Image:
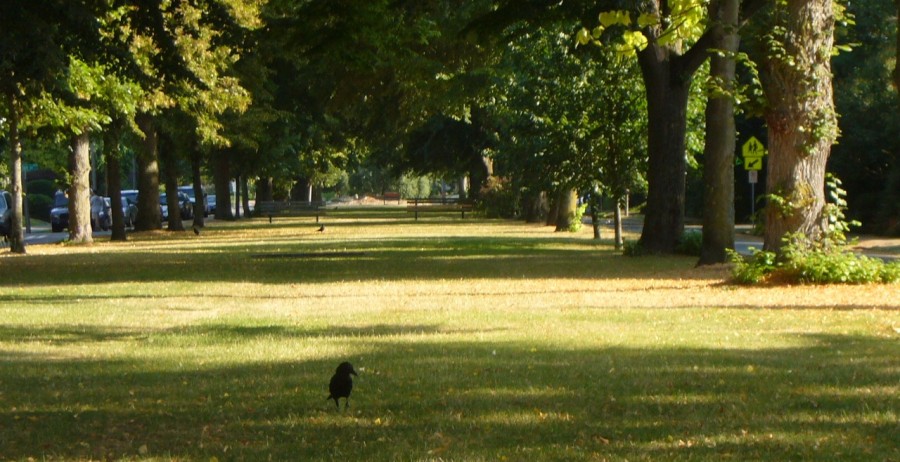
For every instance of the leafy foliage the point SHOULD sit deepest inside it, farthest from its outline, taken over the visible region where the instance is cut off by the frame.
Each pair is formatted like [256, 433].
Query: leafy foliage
[825, 260]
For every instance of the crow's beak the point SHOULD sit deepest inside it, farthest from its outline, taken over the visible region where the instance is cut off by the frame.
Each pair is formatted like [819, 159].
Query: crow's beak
[354, 373]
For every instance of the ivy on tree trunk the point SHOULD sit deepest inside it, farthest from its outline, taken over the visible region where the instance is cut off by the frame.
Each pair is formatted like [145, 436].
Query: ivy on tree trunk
[801, 118]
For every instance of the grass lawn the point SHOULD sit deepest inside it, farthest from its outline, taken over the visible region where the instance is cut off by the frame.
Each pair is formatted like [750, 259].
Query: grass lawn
[475, 340]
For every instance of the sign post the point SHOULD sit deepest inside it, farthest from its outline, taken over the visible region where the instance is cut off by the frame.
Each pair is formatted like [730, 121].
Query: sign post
[753, 152]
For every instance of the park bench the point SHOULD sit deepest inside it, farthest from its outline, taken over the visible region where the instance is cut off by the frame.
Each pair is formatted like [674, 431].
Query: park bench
[438, 205]
[291, 209]
[391, 197]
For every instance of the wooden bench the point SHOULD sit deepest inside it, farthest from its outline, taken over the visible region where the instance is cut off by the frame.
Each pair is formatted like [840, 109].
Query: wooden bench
[391, 196]
[291, 209]
[418, 206]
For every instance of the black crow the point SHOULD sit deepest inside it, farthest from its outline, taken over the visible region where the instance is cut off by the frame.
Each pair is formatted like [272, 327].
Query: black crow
[341, 384]
[322, 229]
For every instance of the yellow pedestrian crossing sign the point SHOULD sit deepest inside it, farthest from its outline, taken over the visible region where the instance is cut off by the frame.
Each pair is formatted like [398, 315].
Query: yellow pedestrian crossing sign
[752, 163]
[753, 151]
[753, 148]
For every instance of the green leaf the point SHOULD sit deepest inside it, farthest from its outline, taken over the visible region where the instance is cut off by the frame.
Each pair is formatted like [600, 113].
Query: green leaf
[647, 19]
[617, 17]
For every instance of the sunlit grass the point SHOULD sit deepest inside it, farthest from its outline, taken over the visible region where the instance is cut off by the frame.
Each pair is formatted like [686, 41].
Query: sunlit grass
[475, 340]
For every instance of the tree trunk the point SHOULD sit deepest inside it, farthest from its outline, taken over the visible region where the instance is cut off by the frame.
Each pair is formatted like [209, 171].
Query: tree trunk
[667, 89]
[718, 154]
[222, 180]
[114, 180]
[237, 197]
[16, 236]
[567, 203]
[265, 189]
[619, 241]
[802, 124]
[594, 204]
[197, 183]
[534, 207]
[170, 174]
[80, 190]
[552, 208]
[148, 216]
[245, 201]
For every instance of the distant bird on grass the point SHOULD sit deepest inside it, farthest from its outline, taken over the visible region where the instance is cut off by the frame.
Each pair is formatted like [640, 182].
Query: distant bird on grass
[196, 230]
[322, 229]
[341, 384]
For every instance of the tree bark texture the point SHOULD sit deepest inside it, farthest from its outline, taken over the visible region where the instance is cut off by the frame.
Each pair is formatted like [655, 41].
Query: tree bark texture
[16, 235]
[567, 202]
[170, 176]
[667, 88]
[245, 197]
[114, 180]
[222, 179]
[148, 216]
[80, 190]
[197, 184]
[801, 119]
[617, 223]
[718, 153]
[534, 207]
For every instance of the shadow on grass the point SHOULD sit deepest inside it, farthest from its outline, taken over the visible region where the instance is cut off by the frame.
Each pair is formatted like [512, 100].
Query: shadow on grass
[421, 397]
[359, 259]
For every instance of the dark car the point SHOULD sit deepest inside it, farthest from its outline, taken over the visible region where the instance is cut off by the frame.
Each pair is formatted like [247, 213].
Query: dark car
[5, 214]
[189, 190]
[59, 214]
[129, 210]
[101, 216]
[101, 213]
[185, 207]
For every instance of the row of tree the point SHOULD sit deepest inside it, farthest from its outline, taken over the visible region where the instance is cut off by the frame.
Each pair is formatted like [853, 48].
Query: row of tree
[284, 90]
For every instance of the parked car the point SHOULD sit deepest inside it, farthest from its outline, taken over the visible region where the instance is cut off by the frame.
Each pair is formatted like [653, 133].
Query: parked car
[189, 190]
[59, 214]
[211, 203]
[101, 213]
[129, 210]
[185, 207]
[163, 207]
[5, 214]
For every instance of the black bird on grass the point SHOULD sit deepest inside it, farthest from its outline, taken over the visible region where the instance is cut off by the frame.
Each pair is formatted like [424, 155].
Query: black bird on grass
[196, 230]
[341, 384]
[322, 229]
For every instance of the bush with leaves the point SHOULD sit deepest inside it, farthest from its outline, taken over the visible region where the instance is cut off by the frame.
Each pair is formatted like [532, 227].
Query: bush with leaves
[827, 259]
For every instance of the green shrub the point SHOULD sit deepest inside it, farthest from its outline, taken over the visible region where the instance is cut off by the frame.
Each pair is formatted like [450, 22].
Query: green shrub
[753, 269]
[826, 259]
[39, 206]
[576, 223]
[691, 243]
[633, 249]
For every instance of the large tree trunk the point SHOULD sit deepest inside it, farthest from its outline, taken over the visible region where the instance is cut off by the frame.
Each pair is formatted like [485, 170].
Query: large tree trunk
[222, 179]
[16, 236]
[170, 175]
[114, 180]
[667, 88]
[802, 124]
[567, 202]
[718, 154]
[534, 207]
[148, 216]
[80, 190]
